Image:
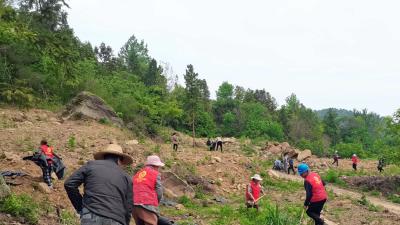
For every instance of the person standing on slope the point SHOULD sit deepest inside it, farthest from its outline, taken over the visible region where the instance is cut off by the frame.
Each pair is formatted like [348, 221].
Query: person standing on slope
[107, 197]
[355, 161]
[381, 164]
[175, 141]
[253, 192]
[46, 152]
[316, 195]
[336, 159]
[291, 166]
[219, 143]
[147, 192]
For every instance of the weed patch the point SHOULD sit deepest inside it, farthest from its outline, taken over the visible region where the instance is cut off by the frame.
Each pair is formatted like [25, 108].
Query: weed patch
[21, 206]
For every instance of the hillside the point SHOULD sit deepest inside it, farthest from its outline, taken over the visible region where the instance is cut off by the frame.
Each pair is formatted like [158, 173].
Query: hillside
[226, 173]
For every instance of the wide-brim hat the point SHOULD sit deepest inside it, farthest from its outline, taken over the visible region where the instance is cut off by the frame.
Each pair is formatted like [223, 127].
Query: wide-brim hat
[154, 160]
[257, 177]
[115, 150]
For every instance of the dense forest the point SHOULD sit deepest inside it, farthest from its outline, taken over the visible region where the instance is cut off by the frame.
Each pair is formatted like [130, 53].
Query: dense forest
[43, 64]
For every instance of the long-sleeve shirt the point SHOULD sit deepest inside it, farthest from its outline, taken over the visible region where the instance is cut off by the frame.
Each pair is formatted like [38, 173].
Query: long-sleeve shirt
[107, 190]
[308, 188]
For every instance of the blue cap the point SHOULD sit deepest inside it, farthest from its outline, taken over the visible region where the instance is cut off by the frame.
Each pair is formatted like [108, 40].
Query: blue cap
[302, 168]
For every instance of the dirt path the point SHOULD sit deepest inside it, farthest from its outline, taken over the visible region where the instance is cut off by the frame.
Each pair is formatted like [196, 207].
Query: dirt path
[391, 207]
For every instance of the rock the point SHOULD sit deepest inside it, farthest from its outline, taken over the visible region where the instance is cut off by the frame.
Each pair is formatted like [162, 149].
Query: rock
[285, 145]
[175, 187]
[132, 142]
[217, 159]
[54, 176]
[275, 149]
[4, 188]
[87, 105]
[220, 199]
[44, 188]
[10, 156]
[19, 117]
[304, 155]
[179, 207]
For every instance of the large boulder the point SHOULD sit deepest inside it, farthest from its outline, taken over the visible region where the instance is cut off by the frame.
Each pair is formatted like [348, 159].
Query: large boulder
[175, 187]
[88, 105]
[4, 188]
[304, 155]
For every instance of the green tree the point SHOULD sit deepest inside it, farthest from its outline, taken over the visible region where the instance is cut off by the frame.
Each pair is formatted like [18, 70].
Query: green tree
[193, 97]
[331, 126]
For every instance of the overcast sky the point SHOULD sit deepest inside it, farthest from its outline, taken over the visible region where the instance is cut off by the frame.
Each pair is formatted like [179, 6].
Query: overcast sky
[342, 53]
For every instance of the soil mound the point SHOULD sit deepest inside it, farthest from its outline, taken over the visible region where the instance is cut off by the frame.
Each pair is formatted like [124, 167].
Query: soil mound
[88, 105]
[385, 185]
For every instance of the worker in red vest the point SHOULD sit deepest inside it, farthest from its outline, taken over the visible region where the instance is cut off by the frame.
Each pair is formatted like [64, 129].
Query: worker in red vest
[147, 192]
[355, 161]
[46, 153]
[253, 192]
[315, 193]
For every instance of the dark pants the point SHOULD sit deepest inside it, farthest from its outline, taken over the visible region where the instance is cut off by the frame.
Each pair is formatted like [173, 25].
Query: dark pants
[219, 144]
[252, 206]
[354, 166]
[47, 175]
[380, 169]
[89, 218]
[314, 211]
[175, 147]
[335, 161]
[291, 168]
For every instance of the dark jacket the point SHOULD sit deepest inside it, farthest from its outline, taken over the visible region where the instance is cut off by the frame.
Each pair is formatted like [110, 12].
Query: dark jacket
[40, 159]
[107, 190]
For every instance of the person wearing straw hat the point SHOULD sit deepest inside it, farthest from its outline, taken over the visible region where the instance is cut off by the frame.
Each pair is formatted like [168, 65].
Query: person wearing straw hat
[253, 192]
[147, 192]
[316, 195]
[107, 197]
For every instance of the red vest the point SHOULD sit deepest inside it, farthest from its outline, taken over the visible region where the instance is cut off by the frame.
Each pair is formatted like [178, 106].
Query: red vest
[47, 151]
[144, 187]
[318, 189]
[354, 159]
[256, 189]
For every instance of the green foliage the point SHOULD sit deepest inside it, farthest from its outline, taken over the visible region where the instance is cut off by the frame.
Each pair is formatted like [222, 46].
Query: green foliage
[43, 64]
[68, 218]
[21, 206]
[333, 176]
[348, 149]
[71, 142]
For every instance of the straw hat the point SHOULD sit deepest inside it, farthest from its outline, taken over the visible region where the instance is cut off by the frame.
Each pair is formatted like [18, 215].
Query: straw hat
[115, 150]
[257, 177]
[154, 160]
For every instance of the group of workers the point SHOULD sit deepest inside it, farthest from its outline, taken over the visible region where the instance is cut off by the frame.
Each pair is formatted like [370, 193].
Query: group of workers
[355, 161]
[316, 195]
[212, 144]
[111, 197]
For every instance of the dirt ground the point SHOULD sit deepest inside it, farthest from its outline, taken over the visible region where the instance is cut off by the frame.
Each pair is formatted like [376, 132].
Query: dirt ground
[76, 141]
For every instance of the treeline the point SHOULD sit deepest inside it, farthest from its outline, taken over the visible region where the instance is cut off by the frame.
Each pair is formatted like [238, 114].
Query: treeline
[43, 64]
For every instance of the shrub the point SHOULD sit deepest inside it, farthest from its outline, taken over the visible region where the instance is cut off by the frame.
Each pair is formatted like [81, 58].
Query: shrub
[71, 142]
[68, 218]
[21, 206]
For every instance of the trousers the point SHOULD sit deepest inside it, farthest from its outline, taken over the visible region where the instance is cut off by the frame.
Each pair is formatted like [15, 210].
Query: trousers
[89, 218]
[314, 211]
